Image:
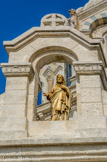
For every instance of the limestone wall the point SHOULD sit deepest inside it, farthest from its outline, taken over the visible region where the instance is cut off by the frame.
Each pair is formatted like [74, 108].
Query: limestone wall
[1, 103]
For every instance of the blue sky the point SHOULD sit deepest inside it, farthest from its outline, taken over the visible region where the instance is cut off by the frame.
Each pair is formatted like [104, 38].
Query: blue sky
[18, 16]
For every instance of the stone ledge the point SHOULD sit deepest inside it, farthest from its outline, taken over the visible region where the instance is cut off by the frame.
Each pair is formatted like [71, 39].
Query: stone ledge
[12, 124]
[73, 150]
[69, 129]
[32, 141]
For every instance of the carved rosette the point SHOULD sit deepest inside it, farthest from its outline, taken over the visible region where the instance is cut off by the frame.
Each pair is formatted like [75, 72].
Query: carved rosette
[17, 70]
[91, 68]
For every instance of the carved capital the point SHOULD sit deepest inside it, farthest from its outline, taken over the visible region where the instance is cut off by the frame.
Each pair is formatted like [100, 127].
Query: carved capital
[91, 68]
[17, 70]
[88, 68]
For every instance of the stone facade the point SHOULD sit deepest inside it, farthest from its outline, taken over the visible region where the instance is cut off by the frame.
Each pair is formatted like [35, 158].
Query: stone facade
[27, 134]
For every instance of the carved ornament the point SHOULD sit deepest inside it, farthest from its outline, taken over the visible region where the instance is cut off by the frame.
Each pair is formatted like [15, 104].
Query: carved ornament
[11, 70]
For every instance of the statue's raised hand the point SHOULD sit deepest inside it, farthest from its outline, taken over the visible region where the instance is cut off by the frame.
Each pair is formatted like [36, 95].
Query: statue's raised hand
[45, 94]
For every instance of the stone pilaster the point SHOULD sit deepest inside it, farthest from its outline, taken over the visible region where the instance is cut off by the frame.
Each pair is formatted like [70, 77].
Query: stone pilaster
[50, 79]
[91, 79]
[16, 98]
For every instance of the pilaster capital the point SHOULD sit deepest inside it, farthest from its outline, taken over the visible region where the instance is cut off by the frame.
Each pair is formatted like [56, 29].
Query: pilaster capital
[88, 67]
[91, 68]
[17, 70]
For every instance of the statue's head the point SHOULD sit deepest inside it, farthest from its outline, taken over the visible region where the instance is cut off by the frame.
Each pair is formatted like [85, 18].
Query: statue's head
[72, 12]
[60, 79]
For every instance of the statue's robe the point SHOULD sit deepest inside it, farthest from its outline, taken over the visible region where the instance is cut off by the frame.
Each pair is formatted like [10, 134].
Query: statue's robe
[60, 103]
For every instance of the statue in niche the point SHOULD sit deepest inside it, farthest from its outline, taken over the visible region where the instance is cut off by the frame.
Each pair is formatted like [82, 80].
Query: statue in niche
[60, 98]
[73, 20]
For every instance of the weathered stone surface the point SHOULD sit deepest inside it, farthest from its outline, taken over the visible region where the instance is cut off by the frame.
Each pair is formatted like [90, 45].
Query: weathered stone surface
[16, 83]
[104, 93]
[12, 134]
[32, 87]
[2, 99]
[15, 97]
[30, 114]
[31, 102]
[105, 110]
[90, 81]
[12, 124]
[1, 104]
[81, 53]
[92, 122]
[89, 109]
[92, 95]
[52, 128]
[14, 111]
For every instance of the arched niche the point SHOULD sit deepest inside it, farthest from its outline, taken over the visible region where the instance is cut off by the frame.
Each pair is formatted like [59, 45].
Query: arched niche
[98, 22]
[94, 21]
[39, 59]
[52, 54]
[99, 30]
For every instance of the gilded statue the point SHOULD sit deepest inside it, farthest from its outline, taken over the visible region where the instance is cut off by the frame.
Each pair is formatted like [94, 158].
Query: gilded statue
[60, 98]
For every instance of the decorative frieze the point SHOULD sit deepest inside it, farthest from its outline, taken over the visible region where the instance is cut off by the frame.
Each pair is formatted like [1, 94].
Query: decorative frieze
[88, 68]
[11, 70]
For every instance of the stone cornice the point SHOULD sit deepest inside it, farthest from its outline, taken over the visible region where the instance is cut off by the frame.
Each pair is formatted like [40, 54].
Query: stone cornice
[91, 68]
[92, 10]
[17, 70]
[54, 32]
[43, 32]
[49, 141]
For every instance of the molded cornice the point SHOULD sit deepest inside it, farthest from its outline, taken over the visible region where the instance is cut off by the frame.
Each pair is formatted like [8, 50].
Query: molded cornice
[52, 32]
[92, 10]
